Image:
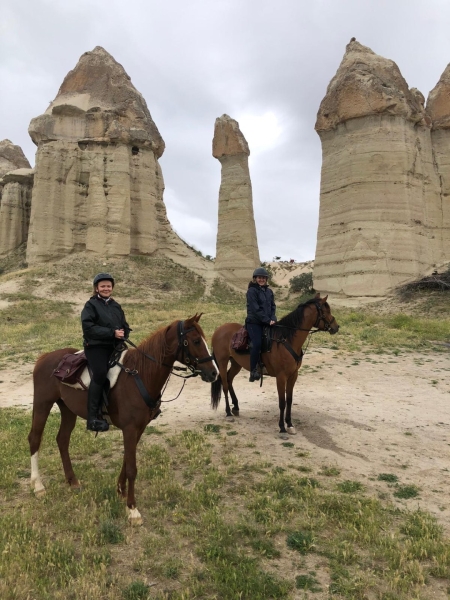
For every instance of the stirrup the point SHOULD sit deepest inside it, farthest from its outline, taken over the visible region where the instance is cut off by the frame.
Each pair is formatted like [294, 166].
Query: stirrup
[97, 425]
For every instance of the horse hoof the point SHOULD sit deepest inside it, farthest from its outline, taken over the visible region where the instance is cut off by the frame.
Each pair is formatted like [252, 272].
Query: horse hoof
[283, 436]
[291, 430]
[230, 418]
[134, 517]
[235, 412]
[39, 492]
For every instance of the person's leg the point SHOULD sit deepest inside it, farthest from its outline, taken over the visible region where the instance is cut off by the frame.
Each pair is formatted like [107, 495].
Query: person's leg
[97, 358]
[255, 334]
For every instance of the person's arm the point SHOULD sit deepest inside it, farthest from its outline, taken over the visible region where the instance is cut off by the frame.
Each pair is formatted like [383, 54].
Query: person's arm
[273, 318]
[254, 307]
[91, 330]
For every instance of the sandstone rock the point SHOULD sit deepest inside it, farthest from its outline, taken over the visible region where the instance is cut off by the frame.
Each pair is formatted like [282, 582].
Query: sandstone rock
[98, 184]
[15, 209]
[237, 252]
[438, 109]
[380, 195]
[11, 157]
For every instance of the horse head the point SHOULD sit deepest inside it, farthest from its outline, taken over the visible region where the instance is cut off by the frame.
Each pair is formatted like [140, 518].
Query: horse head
[325, 320]
[194, 351]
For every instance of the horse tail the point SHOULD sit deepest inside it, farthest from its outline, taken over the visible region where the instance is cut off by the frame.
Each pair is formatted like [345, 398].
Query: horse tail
[216, 391]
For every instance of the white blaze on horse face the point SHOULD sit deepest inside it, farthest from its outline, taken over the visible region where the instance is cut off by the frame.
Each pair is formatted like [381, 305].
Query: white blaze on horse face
[209, 353]
[36, 482]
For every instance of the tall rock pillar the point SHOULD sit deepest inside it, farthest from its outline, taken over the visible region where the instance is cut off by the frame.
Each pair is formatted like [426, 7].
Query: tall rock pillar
[237, 252]
[98, 185]
[379, 196]
[16, 181]
[438, 109]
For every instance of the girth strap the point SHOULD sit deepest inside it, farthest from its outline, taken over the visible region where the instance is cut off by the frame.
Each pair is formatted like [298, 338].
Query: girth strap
[149, 401]
[292, 352]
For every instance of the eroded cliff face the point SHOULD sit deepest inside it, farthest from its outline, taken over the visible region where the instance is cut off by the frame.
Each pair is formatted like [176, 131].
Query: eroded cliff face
[237, 252]
[380, 215]
[15, 208]
[438, 110]
[98, 184]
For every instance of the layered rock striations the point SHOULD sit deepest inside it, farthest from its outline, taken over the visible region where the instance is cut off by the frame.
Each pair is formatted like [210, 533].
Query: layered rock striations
[16, 181]
[237, 252]
[438, 111]
[380, 208]
[98, 184]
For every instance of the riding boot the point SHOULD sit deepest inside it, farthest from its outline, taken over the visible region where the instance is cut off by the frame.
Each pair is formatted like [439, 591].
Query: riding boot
[95, 421]
[254, 375]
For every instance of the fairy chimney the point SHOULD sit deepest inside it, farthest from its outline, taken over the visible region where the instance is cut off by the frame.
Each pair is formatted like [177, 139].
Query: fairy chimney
[16, 180]
[237, 252]
[98, 183]
[380, 193]
[438, 110]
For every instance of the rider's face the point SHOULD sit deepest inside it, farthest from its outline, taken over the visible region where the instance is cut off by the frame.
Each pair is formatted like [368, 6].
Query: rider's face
[104, 288]
[260, 280]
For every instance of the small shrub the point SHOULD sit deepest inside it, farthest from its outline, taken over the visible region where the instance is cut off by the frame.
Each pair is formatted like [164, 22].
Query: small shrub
[406, 491]
[302, 283]
[307, 582]
[137, 590]
[389, 477]
[350, 487]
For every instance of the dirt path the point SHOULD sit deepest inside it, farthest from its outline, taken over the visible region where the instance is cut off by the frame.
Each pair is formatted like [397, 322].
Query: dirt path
[362, 414]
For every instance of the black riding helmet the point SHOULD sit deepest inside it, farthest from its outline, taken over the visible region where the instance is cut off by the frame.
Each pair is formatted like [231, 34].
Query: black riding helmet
[103, 277]
[260, 272]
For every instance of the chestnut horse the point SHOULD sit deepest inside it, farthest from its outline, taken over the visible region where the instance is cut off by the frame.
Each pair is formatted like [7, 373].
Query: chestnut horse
[153, 359]
[283, 361]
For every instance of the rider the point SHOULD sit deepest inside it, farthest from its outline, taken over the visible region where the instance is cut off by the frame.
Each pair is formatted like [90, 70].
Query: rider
[104, 327]
[260, 312]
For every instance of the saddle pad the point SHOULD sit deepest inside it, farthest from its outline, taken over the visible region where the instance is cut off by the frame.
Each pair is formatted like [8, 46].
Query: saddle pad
[113, 375]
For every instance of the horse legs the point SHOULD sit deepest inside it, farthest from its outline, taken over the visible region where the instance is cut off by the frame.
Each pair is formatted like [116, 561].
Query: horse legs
[289, 393]
[39, 419]
[232, 372]
[281, 387]
[131, 437]
[68, 420]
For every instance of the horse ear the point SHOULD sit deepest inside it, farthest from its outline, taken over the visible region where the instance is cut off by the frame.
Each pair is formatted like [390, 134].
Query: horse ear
[323, 300]
[317, 296]
[197, 317]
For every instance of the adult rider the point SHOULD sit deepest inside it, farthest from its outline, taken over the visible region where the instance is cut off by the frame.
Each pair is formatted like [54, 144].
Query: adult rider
[260, 312]
[104, 327]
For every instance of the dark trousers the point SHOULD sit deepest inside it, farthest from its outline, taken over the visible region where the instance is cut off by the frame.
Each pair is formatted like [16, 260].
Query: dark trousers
[98, 357]
[255, 332]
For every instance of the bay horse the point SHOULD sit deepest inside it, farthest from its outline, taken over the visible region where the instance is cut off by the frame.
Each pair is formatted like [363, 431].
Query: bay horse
[153, 359]
[283, 361]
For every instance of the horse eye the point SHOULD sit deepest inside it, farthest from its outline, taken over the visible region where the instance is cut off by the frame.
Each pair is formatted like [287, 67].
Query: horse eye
[196, 342]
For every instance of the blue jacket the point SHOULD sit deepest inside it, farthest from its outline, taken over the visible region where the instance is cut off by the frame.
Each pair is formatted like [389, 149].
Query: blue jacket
[260, 304]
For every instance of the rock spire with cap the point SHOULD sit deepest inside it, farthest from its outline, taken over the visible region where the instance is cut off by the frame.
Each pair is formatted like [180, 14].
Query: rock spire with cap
[237, 248]
[380, 193]
[98, 184]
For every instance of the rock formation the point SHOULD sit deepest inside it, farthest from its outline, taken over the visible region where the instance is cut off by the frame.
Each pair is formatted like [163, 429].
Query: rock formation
[98, 184]
[16, 180]
[237, 252]
[438, 110]
[380, 220]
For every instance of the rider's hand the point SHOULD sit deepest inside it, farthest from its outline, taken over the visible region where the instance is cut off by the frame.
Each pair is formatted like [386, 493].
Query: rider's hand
[272, 322]
[119, 334]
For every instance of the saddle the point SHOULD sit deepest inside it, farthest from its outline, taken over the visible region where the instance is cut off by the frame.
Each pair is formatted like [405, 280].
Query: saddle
[241, 343]
[70, 369]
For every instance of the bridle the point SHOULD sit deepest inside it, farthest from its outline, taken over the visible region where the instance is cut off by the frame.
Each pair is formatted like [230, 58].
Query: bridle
[183, 344]
[320, 318]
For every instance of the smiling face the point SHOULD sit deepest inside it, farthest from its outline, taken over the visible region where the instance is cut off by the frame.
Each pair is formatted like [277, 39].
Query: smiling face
[261, 280]
[104, 288]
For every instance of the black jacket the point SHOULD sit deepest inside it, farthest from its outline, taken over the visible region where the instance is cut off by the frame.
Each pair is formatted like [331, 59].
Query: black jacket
[100, 319]
[260, 304]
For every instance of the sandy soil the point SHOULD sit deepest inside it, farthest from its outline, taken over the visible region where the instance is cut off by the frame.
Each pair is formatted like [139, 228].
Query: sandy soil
[363, 414]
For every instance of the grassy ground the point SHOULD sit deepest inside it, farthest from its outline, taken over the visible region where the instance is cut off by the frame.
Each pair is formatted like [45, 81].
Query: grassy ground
[215, 527]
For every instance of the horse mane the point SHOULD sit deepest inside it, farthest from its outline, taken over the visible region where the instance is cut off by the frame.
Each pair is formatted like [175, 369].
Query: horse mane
[287, 325]
[155, 345]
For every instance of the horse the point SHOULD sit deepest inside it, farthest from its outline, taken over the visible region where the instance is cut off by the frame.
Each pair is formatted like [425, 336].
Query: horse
[282, 362]
[153, 359]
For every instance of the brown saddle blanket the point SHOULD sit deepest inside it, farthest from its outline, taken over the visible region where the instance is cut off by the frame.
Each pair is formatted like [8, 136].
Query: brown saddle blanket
[70, 368]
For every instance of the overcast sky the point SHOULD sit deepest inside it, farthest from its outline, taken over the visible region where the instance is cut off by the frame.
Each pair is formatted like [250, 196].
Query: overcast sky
[266, 63]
